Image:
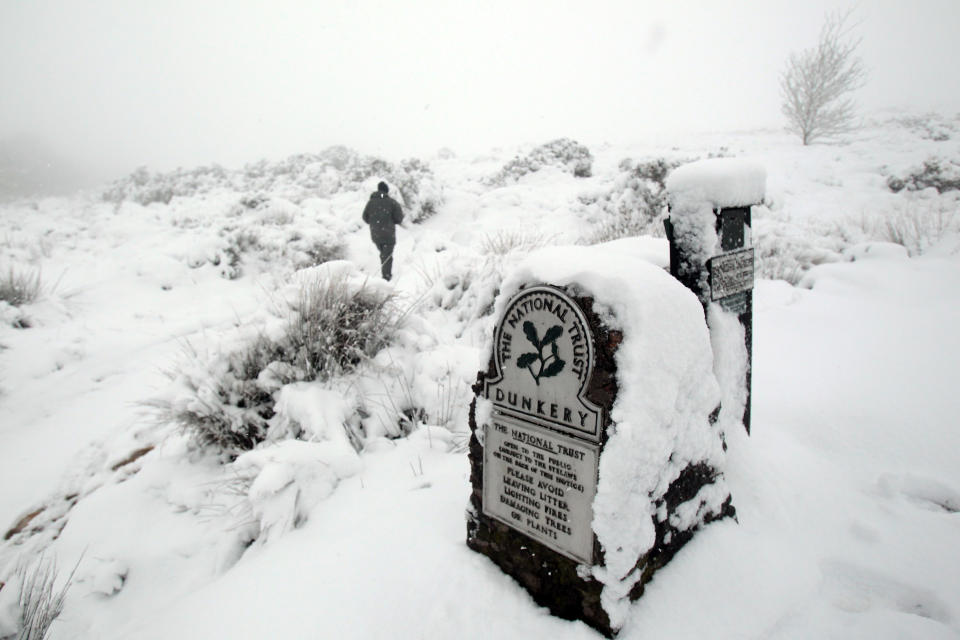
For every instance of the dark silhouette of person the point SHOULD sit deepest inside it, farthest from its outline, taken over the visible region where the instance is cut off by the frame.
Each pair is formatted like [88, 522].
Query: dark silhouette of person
[383, 214]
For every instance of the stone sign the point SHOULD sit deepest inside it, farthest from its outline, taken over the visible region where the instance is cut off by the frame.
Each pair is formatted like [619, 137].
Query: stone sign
[540, 428]
[541, 445]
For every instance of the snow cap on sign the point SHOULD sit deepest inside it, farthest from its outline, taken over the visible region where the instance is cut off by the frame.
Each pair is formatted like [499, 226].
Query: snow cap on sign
[721, 182]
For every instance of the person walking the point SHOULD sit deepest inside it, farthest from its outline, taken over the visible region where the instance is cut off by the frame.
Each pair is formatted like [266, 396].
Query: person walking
[383, 214]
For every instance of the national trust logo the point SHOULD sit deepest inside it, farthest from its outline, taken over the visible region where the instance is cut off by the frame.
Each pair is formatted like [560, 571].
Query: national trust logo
[543, 362]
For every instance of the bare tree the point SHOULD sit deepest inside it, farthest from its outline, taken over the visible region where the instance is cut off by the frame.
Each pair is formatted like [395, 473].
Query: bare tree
[817, 83]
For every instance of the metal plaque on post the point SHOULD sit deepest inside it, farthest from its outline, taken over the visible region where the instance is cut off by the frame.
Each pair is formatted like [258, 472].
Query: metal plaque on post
[731, 273]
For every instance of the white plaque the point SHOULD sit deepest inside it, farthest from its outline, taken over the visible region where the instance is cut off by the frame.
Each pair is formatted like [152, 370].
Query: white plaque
[543, 353]
[542, 484]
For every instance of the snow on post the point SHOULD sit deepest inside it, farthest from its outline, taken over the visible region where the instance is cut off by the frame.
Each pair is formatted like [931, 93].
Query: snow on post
[711, 254]
[595, 451]
[697, 192]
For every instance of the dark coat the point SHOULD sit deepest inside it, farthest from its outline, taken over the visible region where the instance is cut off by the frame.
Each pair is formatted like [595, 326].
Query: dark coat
[382, 213]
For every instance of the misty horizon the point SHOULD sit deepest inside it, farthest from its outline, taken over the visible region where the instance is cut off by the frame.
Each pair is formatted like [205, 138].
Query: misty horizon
[107, 87]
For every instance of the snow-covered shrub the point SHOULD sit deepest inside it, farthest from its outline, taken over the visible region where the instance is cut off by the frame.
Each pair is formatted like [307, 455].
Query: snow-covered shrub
[338, 169]
[468, 283]
[941, 174]
[563, 153]
[336, 323]
[916, 224]
[920, 226]
[786, 250]
[421, 193]
[419, 382]
[929, 126]
[635, 205]
[273, 488]
[145, 188]
[32, 600]
[463, 285]
[295, 178]
[282, 483]
[19, 287]
[267, 232]
[442, 385]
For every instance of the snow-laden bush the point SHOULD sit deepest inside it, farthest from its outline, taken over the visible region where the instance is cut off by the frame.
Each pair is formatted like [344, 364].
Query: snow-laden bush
[419, 383]
[915, 223]
[786, 250]
[921, 225]
[635, 205]
[938, 173]
[270, 232]
[274, 488]
[929, 126]
[337, 320]
[282, 483]
[257, 232]
[422, 195]
[145, 188]
[565, 154]
[464, 284]
[295, 178]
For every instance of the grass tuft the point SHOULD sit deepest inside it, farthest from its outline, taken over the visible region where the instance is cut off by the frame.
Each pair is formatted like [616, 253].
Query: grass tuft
[18, 287]
[507, 241]
[41, 602]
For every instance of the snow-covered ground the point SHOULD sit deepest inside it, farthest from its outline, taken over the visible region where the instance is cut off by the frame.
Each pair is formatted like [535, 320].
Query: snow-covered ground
[847, 492]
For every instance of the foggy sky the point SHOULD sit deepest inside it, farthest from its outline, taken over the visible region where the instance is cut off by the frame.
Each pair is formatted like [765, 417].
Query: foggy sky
[123, 83]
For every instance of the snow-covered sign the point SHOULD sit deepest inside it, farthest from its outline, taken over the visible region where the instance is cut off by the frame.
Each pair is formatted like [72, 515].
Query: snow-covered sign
[711, 253]
[596, 450]
[541, 454]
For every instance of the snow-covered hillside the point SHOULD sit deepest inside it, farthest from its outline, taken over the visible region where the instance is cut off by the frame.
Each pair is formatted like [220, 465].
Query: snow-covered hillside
[347, 520]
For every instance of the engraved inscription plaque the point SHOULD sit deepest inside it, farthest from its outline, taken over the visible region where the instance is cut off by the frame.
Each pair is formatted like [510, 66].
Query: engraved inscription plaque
[731, 273]
[542, 484]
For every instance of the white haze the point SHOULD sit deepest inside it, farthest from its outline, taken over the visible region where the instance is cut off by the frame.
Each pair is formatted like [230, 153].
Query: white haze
[112, 84]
